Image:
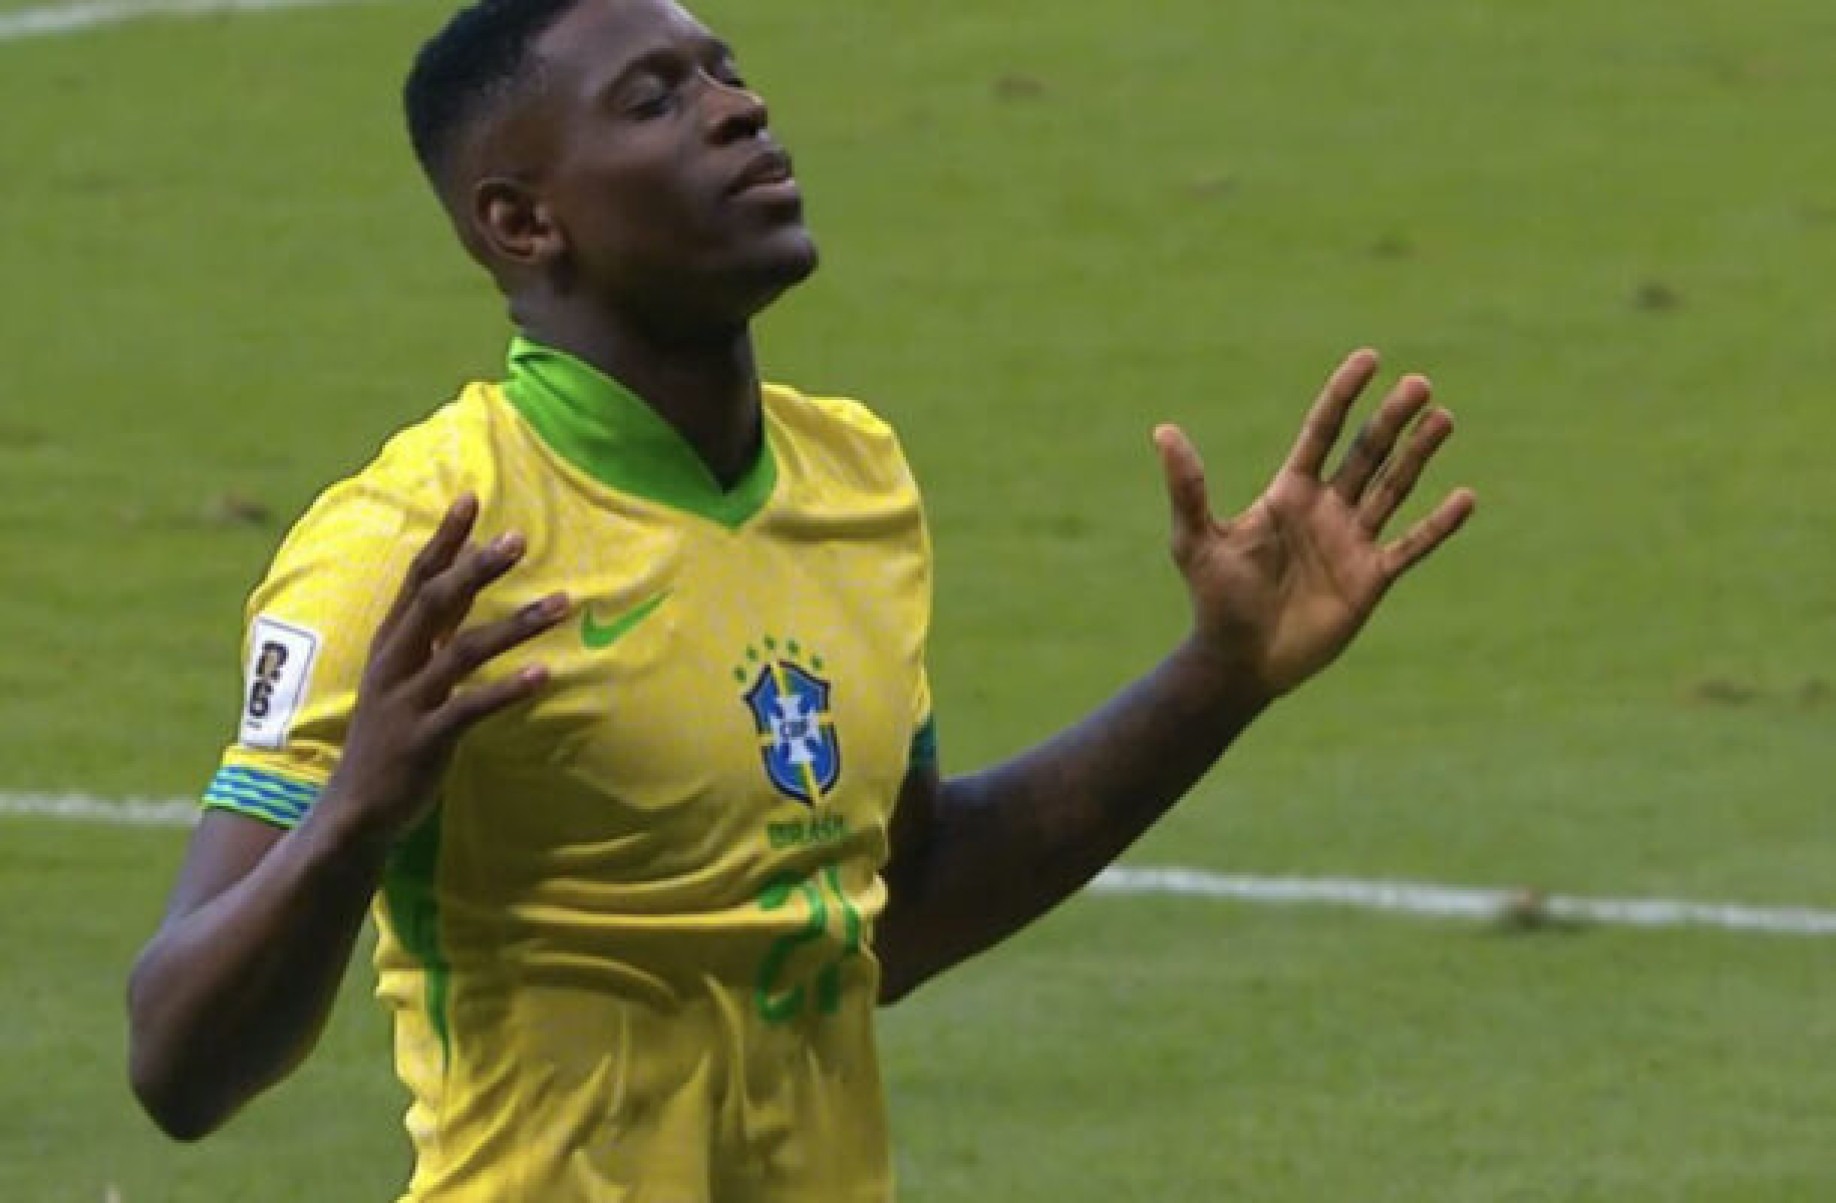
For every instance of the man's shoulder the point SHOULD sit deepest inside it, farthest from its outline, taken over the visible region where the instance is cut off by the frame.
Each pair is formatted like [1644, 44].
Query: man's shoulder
[837, 441]
[418, 471]
[820, 414]
[456, 440]
[445, 450]
[830, 425]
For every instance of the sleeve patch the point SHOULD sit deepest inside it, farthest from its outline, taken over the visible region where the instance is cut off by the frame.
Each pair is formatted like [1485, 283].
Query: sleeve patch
[261, 795]
[274, 684]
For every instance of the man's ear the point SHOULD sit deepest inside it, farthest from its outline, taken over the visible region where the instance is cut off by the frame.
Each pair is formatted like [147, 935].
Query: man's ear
[513, 226]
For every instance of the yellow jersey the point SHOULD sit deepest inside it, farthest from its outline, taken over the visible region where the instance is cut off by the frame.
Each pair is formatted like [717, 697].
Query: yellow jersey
[629, 957]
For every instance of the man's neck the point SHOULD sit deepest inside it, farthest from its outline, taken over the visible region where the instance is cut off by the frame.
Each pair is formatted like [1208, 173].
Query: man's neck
[706, 388]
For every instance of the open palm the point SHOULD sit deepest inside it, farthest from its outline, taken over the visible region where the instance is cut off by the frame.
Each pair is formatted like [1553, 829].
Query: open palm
[1280, 590]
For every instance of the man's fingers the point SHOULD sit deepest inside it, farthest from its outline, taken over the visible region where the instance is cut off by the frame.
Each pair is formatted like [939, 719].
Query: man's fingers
[1377, 438]
[1326, 419]
[435, 556]
[1382, 499]
[440, 605]
[470, 650]
[447, 540]
[433, 608]
[469, 706]
[1428, 534]
[1185, 474]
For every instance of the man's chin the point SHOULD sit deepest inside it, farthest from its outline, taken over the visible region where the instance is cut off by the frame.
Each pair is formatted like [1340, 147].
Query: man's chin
[795, 255]
[791, 259]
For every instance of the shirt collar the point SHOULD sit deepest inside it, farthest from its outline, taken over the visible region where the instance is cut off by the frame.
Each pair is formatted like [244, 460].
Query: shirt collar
[608, 432]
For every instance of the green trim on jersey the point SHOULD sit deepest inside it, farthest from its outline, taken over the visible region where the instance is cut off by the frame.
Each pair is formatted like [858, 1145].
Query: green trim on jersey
[608, 432]
[414, 911]
[261, 794]
[924, 745]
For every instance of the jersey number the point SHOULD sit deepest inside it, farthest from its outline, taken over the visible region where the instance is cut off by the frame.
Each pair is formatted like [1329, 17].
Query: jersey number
[776, 1003]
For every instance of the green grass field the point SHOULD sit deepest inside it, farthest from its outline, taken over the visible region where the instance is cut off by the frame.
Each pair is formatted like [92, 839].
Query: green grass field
[1607, 230]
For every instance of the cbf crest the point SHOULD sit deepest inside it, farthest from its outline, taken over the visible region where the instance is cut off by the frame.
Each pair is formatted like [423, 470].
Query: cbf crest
[789, 700]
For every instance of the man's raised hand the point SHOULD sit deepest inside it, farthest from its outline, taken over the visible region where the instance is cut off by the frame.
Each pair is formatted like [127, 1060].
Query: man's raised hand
[1280, 590]
[415, 701]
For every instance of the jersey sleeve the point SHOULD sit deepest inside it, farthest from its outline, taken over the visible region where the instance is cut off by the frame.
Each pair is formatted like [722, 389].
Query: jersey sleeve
[924, 728]
[306, 639]
[923, 754]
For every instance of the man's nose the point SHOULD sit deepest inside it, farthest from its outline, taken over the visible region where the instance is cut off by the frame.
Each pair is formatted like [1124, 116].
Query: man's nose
[735, 113]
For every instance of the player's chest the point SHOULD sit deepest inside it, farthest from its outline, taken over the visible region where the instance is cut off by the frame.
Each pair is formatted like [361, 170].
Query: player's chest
[720, 692]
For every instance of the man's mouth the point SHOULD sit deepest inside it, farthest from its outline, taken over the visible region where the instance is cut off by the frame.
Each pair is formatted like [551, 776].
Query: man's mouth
[769, 171]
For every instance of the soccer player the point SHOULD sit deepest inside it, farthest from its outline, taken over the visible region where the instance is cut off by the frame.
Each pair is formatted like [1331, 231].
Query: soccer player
[605, 684]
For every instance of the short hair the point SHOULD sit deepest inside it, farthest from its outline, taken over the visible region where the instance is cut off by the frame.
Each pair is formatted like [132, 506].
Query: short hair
[480, 57]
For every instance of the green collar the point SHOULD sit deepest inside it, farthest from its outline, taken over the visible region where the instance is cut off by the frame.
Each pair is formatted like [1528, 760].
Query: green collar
[608, 432]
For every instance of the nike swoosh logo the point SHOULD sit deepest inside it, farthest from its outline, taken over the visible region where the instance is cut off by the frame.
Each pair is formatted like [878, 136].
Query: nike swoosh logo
[600, 636]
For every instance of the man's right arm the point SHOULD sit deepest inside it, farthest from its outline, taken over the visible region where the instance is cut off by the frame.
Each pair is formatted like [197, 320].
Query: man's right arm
[232, 991]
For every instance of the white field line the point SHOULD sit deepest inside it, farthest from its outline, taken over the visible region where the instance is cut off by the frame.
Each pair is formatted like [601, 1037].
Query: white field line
[1467, 902]
[1421, 899]
[51, 20]
[86, 808]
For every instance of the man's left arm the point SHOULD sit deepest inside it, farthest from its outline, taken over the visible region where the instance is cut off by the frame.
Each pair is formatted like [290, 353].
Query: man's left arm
[1277, 593]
